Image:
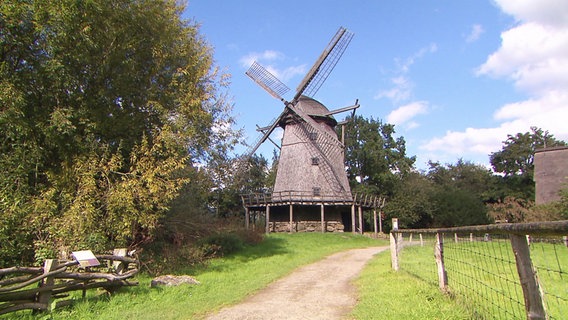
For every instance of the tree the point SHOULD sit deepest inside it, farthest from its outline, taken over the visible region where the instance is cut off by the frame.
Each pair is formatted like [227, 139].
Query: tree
[515, 161]
[375, 160]
[235, 176]
[102, 105]
[517, 155]
[464, 175]
[411, 202]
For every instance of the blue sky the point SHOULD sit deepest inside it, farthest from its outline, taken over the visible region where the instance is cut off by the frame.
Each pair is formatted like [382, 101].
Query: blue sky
[455, 77]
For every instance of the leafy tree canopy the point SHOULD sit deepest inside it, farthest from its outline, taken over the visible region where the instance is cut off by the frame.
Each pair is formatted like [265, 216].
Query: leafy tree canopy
[517, 154]
[102, 102]
[374, 158]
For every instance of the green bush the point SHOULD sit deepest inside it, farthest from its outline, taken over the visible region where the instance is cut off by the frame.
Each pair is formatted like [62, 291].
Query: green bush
[221, 244]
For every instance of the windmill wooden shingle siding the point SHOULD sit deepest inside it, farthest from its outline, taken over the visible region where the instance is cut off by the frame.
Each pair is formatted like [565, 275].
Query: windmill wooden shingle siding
[309, 160]
[311, 190]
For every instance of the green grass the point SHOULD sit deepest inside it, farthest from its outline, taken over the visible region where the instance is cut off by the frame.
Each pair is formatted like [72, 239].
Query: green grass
[224, 281]
[386, 294]
[483, 275]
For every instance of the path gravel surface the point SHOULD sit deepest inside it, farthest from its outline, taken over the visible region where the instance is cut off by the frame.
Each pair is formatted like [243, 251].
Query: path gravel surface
[322, 290]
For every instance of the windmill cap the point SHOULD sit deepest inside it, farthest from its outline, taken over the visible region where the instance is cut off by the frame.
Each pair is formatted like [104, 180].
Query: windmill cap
[315, 109]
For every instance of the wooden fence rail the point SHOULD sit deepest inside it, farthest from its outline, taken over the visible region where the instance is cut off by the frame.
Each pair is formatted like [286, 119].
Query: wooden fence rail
[43, 288]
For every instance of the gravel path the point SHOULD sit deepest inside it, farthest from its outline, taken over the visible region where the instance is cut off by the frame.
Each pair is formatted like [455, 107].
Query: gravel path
[322, 290]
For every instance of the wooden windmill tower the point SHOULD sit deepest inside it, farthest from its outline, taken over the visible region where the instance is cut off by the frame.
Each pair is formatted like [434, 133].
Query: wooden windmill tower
[311, 177]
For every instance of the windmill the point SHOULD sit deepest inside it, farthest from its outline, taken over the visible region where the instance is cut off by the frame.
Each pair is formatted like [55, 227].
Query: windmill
[309, 143]
[311, 165]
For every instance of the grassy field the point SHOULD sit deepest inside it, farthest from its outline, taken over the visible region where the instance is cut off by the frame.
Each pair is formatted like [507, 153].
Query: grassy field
[411, 293]
[483, 276]
[224, 281]
[386, 294]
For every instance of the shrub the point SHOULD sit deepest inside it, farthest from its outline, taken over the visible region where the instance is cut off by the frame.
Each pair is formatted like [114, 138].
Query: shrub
[221, 244]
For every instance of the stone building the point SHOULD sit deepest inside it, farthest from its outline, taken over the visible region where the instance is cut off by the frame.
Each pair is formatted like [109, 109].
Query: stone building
[550, 173]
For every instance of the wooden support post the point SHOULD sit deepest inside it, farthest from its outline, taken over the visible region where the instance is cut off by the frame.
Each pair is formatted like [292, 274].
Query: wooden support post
[322, 218]
[267, 219]
[471, 237]
[44, 298]
[410, 239]
[534, 305]
[247, 218]
[361, 220]
[118, 266]
[421, 240]
[375, 222]
[291, 218]
[394, 250]
[439, 255]
[456, 238]
[353, 228]
[381, 221]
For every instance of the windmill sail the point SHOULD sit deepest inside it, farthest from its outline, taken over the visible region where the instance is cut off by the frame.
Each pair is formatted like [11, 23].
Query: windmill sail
[266, 133]
[325, 64]
[267, 81]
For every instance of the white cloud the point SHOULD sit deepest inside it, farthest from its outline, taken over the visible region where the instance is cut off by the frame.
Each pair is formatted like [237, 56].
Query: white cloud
[545, 12]
[534, 54]
[404, 65]
[404, 114]
[401, 90]
[476, 32]
[269, 60]
[402, 86]
[267, 56]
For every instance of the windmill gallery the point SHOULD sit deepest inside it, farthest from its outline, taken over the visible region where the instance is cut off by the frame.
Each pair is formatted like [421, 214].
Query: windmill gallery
[311, 191]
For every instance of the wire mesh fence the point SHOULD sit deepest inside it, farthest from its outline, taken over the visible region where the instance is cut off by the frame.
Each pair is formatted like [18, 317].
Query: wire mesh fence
[485, 267]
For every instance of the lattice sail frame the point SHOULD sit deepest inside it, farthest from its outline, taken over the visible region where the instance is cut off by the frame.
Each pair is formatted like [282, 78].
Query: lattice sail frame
[325, 64]
[267, 80]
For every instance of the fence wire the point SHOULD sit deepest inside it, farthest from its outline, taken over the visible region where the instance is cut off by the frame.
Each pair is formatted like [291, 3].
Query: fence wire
[482, 272]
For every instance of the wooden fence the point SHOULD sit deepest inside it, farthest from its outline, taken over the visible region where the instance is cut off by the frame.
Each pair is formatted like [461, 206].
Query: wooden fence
[45, 288]
[482, 260]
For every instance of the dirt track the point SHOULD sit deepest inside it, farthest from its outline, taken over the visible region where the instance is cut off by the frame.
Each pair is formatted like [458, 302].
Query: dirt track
[322, 290]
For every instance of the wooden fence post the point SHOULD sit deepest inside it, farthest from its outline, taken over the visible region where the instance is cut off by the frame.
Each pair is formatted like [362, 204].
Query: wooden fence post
[439, 255]
[45, 296]
[118, 266]
[394, 250]
[421, 240]
[534, 305]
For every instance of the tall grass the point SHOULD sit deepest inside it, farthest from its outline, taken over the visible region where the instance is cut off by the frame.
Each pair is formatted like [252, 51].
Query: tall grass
[224, 281]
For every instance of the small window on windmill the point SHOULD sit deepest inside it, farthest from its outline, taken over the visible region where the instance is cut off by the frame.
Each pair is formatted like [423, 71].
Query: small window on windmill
[315, 161]
[313, 136]
[317, 191]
